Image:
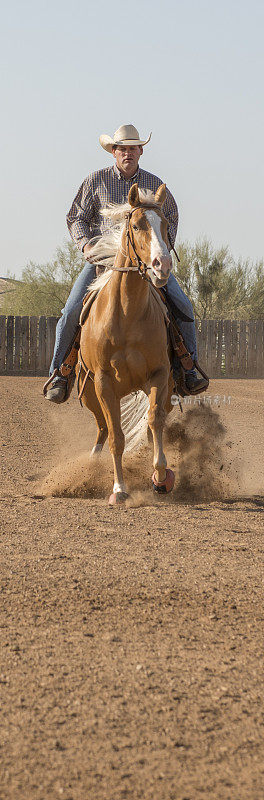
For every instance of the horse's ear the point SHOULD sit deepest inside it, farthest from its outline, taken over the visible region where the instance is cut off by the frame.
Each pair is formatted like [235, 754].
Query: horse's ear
[160, 195]
[133, 197]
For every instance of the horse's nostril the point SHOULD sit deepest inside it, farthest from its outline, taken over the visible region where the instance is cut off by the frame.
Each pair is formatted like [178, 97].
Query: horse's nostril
[156, 262]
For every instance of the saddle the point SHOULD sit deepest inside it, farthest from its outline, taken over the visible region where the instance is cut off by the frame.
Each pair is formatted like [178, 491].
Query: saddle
[176, 345]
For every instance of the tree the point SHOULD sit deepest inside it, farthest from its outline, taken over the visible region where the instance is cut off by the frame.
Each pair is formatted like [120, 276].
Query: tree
[217, 286]
[256, 292]
[209, 268]
[44, 289]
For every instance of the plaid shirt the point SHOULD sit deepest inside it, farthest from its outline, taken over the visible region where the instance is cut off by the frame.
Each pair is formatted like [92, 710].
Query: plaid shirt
[109, 186]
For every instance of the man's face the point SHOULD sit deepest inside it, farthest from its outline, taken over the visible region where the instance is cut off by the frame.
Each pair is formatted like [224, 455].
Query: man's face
[127, 158]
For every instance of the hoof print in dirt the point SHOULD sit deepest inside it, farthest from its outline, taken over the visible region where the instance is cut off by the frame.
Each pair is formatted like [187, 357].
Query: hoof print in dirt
[164, 486]
[117, 498]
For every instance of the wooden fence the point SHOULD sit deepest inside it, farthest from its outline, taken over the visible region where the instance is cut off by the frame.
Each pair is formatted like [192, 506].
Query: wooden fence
[226, 348]
[26, 345]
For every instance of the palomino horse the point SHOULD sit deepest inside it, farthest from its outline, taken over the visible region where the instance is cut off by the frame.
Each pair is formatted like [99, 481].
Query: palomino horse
[124, 339]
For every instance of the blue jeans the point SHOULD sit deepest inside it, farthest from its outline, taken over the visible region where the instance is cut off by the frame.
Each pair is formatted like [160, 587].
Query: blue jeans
[187, 328]
[67, 324]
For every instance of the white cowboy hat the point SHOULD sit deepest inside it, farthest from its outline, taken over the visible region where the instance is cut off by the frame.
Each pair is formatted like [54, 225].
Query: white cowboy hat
[125, 135]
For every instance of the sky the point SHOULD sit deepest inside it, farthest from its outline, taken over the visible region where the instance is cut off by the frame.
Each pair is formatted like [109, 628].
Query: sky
[189, 71]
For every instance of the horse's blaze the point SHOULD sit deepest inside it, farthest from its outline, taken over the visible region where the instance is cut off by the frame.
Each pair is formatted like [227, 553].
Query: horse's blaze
[164, 486]
[159, 253]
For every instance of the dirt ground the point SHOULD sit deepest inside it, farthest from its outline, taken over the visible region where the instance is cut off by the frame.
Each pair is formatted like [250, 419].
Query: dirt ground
[132, 638]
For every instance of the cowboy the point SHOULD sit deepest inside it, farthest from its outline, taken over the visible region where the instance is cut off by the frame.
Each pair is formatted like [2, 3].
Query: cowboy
[112, 185]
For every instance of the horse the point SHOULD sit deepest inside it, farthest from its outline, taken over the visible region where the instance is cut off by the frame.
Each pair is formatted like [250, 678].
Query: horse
[123, 345]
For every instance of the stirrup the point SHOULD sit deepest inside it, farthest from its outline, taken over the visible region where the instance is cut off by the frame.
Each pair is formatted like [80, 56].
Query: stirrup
[49, 381]
[180, 380]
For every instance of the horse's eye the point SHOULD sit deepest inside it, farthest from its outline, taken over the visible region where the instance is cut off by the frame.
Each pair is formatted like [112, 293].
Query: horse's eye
[135, 227]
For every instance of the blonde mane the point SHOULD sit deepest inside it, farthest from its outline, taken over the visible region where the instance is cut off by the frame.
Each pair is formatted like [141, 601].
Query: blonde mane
[104, 248]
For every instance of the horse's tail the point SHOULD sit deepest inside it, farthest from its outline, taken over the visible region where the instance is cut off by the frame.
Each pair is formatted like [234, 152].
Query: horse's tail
[134, 408]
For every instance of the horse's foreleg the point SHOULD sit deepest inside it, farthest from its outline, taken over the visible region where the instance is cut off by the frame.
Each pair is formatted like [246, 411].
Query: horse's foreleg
[100, 440]
[90, 400]
[156, 420]
[116, 440]
[168, 406]
[162, 477]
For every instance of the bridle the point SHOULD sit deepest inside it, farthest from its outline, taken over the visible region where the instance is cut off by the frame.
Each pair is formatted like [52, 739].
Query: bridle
[140, 266]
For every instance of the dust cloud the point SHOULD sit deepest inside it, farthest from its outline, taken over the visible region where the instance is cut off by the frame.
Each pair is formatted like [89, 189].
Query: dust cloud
[203, 473]
[195, 449]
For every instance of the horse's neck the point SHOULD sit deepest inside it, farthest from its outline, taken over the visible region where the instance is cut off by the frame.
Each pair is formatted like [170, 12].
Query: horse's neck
[133, 290]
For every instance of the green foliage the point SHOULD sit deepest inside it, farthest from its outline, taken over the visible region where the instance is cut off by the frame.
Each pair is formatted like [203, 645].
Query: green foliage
[44, 288]
[256, 292]
[218, 287]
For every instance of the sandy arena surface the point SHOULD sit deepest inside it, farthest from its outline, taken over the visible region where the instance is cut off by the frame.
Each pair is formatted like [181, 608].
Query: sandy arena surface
[132, 638]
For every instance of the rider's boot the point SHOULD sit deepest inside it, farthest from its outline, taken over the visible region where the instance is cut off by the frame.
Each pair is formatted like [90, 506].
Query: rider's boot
[57, 391]
[195, 384]
[59, 386]
[188, 382]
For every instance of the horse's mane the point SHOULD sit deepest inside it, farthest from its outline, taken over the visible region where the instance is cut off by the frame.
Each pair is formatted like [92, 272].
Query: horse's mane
[104, 248]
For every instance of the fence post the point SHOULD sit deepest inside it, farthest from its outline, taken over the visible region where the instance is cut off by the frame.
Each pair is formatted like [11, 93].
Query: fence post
[227, 338]
[17, 354]
[33, 332]
[2, 342]
[25, 344]
[211, 354]
[219, 357]
[9, 344]
[41, 360]
[202, 354]
[234, 335]
[252, 347]
[260, 348]
[242, 360]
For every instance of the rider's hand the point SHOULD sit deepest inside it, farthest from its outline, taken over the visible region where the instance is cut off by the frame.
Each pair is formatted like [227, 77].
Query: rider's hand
[86, 251]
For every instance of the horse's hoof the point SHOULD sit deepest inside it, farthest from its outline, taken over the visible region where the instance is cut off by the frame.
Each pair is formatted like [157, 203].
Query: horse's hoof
[117, 498]
[96, 450]
[164, 486]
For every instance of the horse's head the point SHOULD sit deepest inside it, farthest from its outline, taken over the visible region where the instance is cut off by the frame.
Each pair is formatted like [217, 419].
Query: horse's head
[147, 235]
